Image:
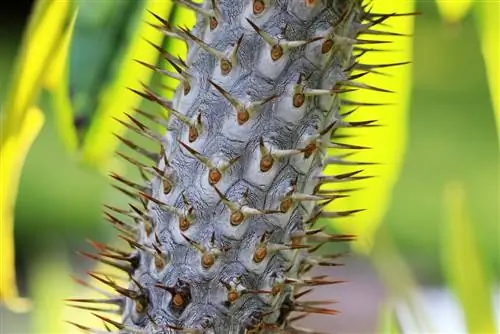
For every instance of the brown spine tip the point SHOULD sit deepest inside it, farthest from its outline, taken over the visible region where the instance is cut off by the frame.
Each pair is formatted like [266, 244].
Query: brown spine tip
[213, 23]
[193, 134]
[184, 224]
[309, 149]
[266, 163]
[232, 296]
[159, 262]
[326, 46]
[167, 186]
[214, 176]
[207, 260]
[258, 7]
[141, 305]
[260, 254]
[311, 3]
[242, 116]
[285, 205]
[276, 52]
[298, 100]
[187, 87]
[276, 289]
[148, 227]
[236, 218]
[178, 301]
[225, 66]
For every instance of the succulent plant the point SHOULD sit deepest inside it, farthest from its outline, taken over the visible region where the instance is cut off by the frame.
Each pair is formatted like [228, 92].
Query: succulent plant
[223, 230]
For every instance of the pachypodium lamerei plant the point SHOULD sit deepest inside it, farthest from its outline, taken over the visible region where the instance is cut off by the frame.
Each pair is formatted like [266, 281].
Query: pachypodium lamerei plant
[223, 235]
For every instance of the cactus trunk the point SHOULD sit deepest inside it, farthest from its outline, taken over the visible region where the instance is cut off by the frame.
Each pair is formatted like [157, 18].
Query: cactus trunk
[223, 238]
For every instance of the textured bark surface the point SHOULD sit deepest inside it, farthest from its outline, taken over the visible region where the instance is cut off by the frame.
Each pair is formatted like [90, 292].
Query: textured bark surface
[226, 237]
[234, 165]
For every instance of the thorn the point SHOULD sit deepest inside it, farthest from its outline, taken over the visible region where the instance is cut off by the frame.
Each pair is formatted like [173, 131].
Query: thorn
[118, 325]
[338, 214]
[127, 182]
[126, 268]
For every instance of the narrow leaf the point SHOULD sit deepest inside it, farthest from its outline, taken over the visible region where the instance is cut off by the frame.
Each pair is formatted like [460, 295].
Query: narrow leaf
[389, 140]
[488, 19]
[39, 46]
[99, 142]
[50, 283]
[21, 123]
[463, 263]
[387, 322]
[453, 11]
[12, 155]
[57, 82]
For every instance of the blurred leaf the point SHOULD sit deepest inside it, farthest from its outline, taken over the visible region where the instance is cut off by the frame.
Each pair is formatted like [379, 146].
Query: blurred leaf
[463, 264]
[387, 322]
[21, 123]
[102, 36]
[50, 284]
[388, 141]
[488, 18]
[398, 278]
[40, 43]
[114, 100]
[454, 11]
[57, 83]
[12, 155]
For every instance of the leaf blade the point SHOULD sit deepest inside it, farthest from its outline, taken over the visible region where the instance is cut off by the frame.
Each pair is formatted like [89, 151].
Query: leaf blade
[462, 263]
[488, 16]
[13, 152]
[39, 44]
[99, 143]
[57, 83]
[454, 11]
[389, 140]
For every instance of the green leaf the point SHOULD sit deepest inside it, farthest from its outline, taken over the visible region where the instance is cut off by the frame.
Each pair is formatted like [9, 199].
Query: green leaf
[57, 82]
[114, 100]
[21, 122]
[463, 263]
[397, 276]
[50, 283]
[454, 11]
[13, 152]
[388, 142]
[488, 19]
[387, 322]
[40, 43]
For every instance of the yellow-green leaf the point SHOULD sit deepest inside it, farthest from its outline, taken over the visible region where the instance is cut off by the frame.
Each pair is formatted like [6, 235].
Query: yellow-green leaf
[50, 283]
[40, 43]
[387, 322]
[488, 16]
[387, 141]
[56, 81]
[13, 151]
[454, 11]
[114, 100]
[398, 279]
[20, 124]
[463, 263]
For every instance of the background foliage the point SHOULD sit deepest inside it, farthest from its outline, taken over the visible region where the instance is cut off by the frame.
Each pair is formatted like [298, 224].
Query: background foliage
[435, 236]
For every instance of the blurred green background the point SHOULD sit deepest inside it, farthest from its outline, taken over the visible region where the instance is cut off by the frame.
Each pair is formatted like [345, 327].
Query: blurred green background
[452, 136]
